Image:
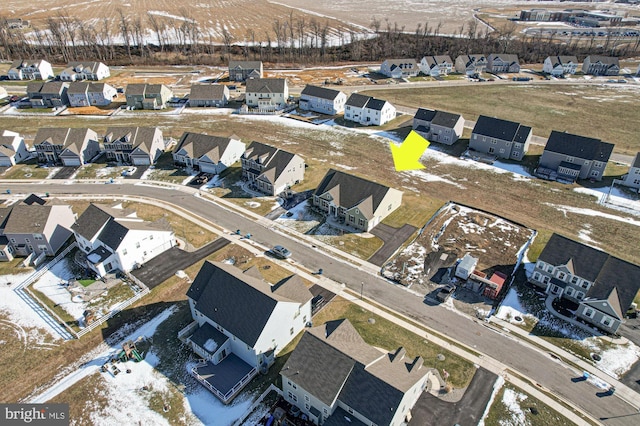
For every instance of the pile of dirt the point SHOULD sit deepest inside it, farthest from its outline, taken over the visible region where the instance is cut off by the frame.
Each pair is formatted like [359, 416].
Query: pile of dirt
[455, 231]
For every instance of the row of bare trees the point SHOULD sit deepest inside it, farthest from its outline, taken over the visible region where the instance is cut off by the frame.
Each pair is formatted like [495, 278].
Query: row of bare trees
[296, 39]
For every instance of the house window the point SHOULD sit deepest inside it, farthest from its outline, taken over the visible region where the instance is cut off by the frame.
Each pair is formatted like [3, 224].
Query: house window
[570, 159]
[550, 269]
[540, 264]
[124, 252]
[636, 182]
[491, 150]
[606, 321]
[291, 331]
[292, 396]
[13, 240]
[27, 240]
[306, 398]
[138, 245]
[595, 173]
[569, 291]
[588, 312]
[151, 237]
[536, 276]
[561, 275]
[361, 222]
[579, 295]
[585, 284]
[306, 406]
[325, 412]
[37, 237]
[350, 410]
[574, 280]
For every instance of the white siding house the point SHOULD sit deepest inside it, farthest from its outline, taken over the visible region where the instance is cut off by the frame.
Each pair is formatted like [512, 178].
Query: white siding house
[12, 148]
[115, 239]
[368, 111]
[558, 66]
[267, 94]
[208, 154]
[632, 179]
[322, 100]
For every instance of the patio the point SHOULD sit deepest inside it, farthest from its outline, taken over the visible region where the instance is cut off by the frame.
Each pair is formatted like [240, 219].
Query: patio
[226, 379]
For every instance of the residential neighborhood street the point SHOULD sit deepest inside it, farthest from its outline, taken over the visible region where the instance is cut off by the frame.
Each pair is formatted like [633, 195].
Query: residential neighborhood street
[519, 356]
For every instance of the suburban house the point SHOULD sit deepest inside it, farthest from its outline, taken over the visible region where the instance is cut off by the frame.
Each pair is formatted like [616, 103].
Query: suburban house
[601, 65]
[30, 70]
[208, 95]
[471, 64]
[437, 65]
[77, 71]
[354, 201]
[208, 154]
[6, 250]
[271, 170]
[368, 111]
[12, 148]
[38, 227]
[438, 126]
[241, 322]
[632, 179]
[140, 146]
[245, 70]
[322, 100]
[574, 157]
[503, 62]
[147, 96]
[66, 146]
[336, 378]
[399, 68]
[558, 66]
[84, 93]
[267, 94]
[502, 138]
[601, 285]
[115, 239]
[52, 94]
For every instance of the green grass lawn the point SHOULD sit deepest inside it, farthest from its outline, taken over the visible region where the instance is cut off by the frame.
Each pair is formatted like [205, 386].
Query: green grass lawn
[614, 116]
[86, 283]
[29, 170]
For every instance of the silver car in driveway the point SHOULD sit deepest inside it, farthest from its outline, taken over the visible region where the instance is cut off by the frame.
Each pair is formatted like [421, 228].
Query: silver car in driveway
[280, 252]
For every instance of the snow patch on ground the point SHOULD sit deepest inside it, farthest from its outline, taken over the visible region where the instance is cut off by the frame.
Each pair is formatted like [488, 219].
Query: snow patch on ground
[50, 285]
[590, 212]
[512, 399]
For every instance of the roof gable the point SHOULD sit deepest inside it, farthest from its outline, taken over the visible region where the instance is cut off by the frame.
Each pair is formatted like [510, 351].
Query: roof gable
[500, 129]
[579, 146]
[320, 92]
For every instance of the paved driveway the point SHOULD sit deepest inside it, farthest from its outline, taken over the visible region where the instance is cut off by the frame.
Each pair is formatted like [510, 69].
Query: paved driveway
[162, 267]
[65, 172]
[392, 238]
[430, 410]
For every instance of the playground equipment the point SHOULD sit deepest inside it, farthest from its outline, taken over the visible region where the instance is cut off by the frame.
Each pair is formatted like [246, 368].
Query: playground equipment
[129, 351]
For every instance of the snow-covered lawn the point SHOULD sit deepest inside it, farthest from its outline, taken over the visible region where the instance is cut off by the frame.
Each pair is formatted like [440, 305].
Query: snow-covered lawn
[302, 219]
[50, 284]
[616, 359]
[126, 398]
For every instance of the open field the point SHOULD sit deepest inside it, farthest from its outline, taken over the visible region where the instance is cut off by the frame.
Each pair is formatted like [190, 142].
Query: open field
[211, 18]
[543, 107]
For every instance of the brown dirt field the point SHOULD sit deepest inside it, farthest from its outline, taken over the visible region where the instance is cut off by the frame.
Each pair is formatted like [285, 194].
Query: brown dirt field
[237, 16]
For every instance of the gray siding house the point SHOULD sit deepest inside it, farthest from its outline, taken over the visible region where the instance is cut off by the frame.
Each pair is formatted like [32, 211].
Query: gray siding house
[503, 62]
[601, 65]
[208, 95]
[30, 70]
[38, 227]
[354, 201]
[502, 138]
[12, 148]
[271, 170]
[209, 154]
[66, 146]
[267, 94]
[437, 65]
[474, 63]
[336, 378]
[603, 286]
[322, 100]
[574, 157]
[140, 146]
[632, 179]
[438, 126]
[84, 93]
[52, 94]
[147, 96]
[245, 70]
[560, 65]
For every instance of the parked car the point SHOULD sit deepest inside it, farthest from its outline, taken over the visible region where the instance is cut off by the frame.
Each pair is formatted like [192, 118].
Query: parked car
[129, 171]
[445, 292]
[280, 252]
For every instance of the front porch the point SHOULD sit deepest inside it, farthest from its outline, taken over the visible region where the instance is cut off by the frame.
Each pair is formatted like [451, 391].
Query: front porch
[226, 379]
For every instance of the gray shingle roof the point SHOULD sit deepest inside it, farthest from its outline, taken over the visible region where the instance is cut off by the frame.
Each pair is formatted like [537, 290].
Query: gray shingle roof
[636, 161]
[350, 191]
[606, 272]
[501, 129]
[247, 65]
[240, 303]
[139, 137]
[90, 221]
[445, 119]
[609, 60]
[27, 219]
[206, 92]
[198, 144]
[320, 92]
[425, 114]
[376, 104]
[357, 100]
[275, 160]
[579, 146]
[266, 85]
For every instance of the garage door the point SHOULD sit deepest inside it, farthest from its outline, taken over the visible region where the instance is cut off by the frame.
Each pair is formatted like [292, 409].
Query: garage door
[71, 161]
[139, 161]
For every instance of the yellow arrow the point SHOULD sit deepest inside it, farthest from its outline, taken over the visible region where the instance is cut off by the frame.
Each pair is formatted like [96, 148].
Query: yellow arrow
[407, 155]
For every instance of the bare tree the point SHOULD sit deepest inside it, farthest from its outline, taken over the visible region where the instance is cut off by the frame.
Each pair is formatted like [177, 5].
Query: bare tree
[125, 30]
[158, 28]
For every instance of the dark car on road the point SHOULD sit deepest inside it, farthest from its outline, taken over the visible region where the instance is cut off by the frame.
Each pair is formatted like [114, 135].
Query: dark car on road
[445, 292]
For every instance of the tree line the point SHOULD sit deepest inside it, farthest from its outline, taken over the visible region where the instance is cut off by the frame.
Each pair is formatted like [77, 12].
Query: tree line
[295, 40]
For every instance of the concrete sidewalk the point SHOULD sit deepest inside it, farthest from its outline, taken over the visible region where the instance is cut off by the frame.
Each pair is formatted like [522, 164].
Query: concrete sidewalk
[622, 390]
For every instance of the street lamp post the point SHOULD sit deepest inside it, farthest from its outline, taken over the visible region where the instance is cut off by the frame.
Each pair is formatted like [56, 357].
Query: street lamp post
[361, 289]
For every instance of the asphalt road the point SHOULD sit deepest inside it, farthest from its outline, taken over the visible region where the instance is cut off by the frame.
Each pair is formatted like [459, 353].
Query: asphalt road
[519, 356]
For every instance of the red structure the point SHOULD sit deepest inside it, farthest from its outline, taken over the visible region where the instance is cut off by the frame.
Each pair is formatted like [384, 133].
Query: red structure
[491, 290]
